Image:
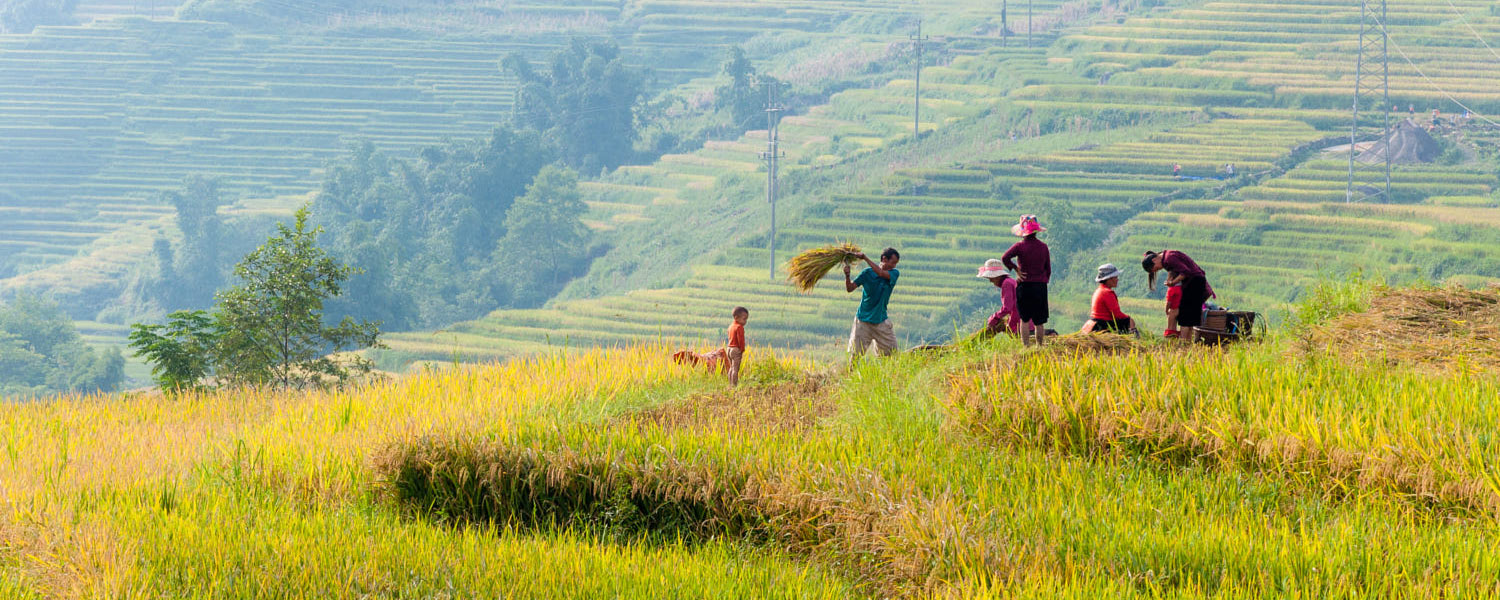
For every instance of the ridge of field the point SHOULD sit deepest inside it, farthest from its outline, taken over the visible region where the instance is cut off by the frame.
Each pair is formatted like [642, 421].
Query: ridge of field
[106, 10]
[100, 118]
[944, 221]
[988, 470]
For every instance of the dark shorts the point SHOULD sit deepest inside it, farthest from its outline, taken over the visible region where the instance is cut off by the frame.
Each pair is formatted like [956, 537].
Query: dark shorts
[1031, 302]
[1194, 294]
[1115, 326]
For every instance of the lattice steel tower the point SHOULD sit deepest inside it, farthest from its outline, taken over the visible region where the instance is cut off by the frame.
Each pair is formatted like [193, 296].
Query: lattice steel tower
[1370, 179]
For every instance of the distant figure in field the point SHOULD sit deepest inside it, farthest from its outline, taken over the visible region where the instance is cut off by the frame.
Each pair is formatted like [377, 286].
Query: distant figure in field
[1008, 318]
[1177, 169]
[1181, 271]
[871, 323]
[1032, 261]
[730, 356]
[1105, 314]
[1436, 119]
[1229, 169]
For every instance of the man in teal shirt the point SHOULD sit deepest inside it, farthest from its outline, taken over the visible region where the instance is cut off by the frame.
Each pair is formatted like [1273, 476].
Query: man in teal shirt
[871, 323]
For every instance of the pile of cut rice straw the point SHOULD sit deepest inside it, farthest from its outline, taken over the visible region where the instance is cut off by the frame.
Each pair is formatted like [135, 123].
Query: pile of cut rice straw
[1440, 328]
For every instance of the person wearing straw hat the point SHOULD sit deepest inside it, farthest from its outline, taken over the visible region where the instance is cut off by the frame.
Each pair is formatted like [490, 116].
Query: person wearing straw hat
[1032, 261]
[1007, 319]
[1105, 314]
[1181, 271]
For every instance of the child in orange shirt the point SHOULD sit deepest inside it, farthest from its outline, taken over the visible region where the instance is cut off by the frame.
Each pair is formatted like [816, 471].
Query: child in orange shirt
[735, 351]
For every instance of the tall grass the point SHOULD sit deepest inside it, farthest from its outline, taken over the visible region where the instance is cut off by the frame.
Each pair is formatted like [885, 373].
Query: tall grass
[987, 469]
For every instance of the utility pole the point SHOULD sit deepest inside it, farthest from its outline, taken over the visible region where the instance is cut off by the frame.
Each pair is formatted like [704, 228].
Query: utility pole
[917, 40]
[1028, 23]
[772, 155]
[1004, 28]
[1371, 86]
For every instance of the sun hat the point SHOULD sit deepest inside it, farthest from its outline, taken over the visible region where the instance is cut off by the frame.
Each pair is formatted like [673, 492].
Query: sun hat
[1107, 271]
[992, 268]
[1027, 226]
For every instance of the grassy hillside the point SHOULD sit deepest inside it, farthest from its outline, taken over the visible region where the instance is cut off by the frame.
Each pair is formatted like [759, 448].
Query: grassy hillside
[1301, 466]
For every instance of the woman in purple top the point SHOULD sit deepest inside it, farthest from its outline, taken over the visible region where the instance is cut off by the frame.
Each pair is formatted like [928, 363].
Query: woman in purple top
[1181, 270]
[1032, 261]
[1007, 319]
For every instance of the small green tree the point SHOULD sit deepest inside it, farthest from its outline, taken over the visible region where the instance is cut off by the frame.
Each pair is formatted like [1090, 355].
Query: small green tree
[271, 327]
[179, 351]
[545, 237]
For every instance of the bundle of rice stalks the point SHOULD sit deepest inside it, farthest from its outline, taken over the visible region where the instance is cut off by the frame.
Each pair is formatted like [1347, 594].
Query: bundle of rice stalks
[807, 268]
[1102, 343]
[1435, 327]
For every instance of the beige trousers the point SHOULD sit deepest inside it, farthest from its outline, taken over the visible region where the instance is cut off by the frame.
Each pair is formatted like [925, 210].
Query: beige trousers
[863, 333]
[733, 356]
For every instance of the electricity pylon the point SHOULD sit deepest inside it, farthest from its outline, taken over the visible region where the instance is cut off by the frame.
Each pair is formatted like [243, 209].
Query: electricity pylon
[1372, 92]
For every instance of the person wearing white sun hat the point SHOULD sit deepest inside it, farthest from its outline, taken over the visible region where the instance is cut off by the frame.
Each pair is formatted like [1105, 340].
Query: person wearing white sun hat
[1007, 319]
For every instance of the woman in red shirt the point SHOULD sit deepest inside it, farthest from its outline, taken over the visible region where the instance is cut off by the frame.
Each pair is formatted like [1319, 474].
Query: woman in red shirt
[1106, 314]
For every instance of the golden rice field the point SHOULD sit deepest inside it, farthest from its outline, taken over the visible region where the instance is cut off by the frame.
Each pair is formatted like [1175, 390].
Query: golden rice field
[1086, 470]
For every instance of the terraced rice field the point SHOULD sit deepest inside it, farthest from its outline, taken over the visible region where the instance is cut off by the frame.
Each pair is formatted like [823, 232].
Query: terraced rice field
[98, 119]
[852, 123]
[1300, 52]
[944, 226]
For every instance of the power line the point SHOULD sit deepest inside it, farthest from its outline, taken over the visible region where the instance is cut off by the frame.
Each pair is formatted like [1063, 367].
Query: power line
[1432, 84]
[1471, 29]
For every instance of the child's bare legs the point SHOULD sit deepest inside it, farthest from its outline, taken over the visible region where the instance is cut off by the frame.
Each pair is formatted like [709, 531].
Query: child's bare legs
[1172, 321]
[733, 356]
[1041, 334]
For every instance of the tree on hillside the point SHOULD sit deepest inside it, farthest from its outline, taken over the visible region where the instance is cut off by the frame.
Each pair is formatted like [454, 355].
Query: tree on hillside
[585, 99]
[271, 323]
[423, 232]
[22, 16]
[194, 267]
[744, 96]
[545, 239]
[41, 352]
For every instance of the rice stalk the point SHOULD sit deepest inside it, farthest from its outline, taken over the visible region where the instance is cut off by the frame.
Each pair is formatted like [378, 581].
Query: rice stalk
[807, 268]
